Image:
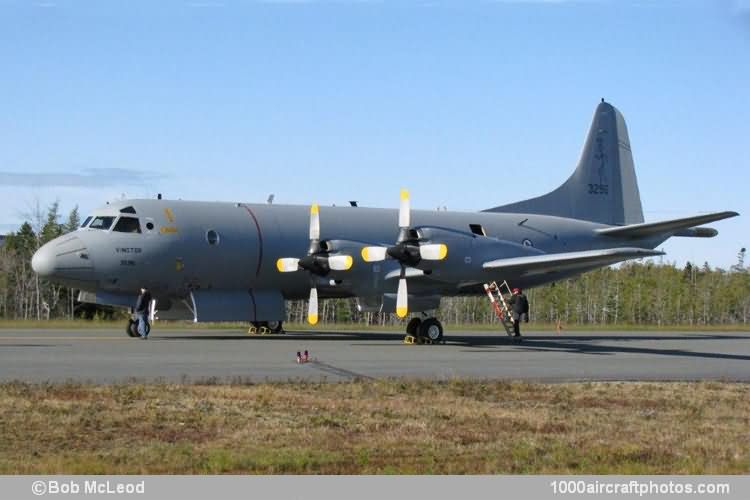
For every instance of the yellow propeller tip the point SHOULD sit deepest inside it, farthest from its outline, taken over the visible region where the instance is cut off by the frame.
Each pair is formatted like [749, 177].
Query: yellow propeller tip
[349, 263]
[443, 252]
[365, 254]
[401, 312]
[314, 209]
[280, 265]
[404, 194]
[312, 319]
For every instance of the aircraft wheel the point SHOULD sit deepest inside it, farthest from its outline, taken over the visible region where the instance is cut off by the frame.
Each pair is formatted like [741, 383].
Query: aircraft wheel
[412, 327]
[276, 326]
[431, 329]
[132, 329]
[256, 327]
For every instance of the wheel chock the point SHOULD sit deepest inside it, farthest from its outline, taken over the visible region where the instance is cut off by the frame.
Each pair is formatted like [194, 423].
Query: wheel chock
[264, 330]
[303, 358]
[252, 330]
[419, 340]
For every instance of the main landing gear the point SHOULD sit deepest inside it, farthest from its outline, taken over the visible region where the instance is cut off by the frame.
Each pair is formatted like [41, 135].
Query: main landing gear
[132, 328]
[266, 327]
[424, 331]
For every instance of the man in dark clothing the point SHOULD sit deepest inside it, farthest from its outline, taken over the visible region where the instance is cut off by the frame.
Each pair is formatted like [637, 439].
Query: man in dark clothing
[519, 309]
[142, 309]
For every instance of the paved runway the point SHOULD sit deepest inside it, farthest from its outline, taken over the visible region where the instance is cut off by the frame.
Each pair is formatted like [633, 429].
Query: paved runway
[195, 355]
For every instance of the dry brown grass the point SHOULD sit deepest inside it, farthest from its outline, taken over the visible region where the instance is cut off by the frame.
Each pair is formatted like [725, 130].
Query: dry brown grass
[376, 427]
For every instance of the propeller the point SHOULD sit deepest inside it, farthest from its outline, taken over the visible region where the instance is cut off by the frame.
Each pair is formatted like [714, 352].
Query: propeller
[408, 250]
[317, 262]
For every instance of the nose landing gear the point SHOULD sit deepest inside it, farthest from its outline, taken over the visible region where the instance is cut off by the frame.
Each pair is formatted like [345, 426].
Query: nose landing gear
[132, 328]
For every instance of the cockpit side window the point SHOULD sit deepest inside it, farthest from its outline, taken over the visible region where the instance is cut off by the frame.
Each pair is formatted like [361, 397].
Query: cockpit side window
[85, 223]
[103, 222]
[127, 225]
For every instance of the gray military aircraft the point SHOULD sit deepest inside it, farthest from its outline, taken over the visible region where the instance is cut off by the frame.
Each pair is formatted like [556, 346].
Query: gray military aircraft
[214, 261]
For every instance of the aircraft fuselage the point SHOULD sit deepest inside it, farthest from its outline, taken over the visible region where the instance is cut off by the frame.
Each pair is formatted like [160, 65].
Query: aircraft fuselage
[215, 245]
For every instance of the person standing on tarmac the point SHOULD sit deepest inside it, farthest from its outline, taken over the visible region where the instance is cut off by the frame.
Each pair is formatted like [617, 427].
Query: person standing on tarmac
[142, 309]
[519, 309]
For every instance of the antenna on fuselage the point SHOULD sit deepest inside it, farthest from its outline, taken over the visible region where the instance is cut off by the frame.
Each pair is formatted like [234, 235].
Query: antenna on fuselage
[270, 199]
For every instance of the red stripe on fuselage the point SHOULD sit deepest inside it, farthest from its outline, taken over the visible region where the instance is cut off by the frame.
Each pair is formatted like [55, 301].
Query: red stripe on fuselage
[260, 239]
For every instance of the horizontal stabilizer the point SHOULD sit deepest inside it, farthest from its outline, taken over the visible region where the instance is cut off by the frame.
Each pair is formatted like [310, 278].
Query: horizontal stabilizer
[542, 264]
[646, 229]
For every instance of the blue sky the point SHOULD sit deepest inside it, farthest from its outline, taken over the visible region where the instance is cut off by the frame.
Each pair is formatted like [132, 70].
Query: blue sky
[469, 104]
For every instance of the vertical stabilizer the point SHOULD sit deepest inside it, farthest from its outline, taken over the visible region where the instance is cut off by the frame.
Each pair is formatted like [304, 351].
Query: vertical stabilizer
[603, 187]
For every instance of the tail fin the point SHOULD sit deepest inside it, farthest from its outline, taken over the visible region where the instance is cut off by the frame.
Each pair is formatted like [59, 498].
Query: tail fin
[603, 187]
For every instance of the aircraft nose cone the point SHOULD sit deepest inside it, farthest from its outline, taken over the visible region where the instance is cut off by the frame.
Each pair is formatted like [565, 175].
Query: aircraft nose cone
[43, 261]
[62, 258]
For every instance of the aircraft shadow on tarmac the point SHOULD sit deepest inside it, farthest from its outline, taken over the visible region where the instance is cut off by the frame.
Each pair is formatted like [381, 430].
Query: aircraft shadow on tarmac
[575, 344]
[26, 346]
[591, 345]
[341, 336]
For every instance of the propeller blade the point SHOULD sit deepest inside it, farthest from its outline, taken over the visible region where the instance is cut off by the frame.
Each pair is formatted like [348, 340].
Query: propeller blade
[312, 307]
[402, 306]
[340, 262]
[287, 265]
[314, 222]
[436, 251]
[404, 209]
[373, 254]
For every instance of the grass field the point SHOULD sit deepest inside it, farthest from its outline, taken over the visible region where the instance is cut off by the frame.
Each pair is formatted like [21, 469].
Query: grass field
[376, 427]
[358, 327]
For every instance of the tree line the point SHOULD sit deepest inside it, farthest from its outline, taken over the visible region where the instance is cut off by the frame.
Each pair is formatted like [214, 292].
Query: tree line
[633, 293]
[636, 293]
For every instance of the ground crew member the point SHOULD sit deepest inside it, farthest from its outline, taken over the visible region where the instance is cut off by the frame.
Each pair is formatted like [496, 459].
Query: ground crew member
[142, 309]
[519, 308]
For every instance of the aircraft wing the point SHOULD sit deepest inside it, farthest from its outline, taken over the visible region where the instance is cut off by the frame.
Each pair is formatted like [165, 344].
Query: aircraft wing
[686, 224]
[541, 264]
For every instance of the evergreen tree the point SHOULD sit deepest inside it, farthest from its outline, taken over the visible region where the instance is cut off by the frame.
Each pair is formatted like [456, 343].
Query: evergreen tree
[73, 222]
[52, 227]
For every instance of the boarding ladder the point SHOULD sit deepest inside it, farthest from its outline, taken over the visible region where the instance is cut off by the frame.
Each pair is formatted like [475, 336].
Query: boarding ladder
[499, 304]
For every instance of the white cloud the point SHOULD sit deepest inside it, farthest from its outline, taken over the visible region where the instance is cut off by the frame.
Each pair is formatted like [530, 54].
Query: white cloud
[88, 178]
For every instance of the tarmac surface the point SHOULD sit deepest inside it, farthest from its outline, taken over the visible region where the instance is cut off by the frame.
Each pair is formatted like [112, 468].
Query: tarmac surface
[192, 355]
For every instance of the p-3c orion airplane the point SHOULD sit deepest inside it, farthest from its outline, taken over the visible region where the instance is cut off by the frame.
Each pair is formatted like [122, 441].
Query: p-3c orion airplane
[213, 261]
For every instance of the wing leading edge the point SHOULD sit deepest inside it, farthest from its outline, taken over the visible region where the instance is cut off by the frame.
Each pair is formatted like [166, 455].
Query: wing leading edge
[541, 264]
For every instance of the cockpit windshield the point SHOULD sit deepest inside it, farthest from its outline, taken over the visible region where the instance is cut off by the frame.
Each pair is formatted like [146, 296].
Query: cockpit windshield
[85, 223]
[102, 222]
[127, 225]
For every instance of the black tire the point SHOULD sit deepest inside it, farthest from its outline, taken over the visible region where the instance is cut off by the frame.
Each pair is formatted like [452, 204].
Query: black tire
[132, 329]
[412, 327]
[431, 329]
[275, 326]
